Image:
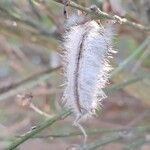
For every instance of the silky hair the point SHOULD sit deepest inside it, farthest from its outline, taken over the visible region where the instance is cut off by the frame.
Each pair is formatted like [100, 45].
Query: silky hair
[87, 48]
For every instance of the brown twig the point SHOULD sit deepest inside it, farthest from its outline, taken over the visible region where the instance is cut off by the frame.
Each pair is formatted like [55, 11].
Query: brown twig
[100, 15]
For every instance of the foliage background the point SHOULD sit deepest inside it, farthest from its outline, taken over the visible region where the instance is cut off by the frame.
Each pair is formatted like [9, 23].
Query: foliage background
[30, 34]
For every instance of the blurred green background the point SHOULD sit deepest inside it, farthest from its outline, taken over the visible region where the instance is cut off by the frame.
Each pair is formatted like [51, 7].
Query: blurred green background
[30, 35]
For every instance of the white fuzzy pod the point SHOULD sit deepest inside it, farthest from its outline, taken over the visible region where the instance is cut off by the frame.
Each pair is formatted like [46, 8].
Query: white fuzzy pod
[85, 61]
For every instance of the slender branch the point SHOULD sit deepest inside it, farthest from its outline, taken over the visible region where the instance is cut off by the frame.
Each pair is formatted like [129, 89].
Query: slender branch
[39, 128]
[34, 10]
[111, 89]
[49, 122]
[27, 83]
[100, 14]
[135, 145]
[24, 19]
[103, 141]
[43, 76]
[131, 57]
[28, 79]
[137, 65]
[109, 138]
[37, 110]
[94, 131]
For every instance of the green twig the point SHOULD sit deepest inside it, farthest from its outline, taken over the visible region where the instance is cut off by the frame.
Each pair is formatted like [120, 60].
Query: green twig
[135, 145]
[118, 86]
[34, 10]
[109, 138]
[131, 57]
[103, 141]
[39, 128]
[94, 131]
[43, 76]
[46, 124]
[118, 134]
[22, 18]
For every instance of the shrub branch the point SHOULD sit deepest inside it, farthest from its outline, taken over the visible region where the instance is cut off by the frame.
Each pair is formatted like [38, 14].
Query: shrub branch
[100, 15]
[39, 128]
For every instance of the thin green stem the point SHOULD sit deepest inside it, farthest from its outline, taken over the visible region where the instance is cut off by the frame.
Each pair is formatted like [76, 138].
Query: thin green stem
[111, 89]
[131, 57]
[103, 141]
[39, 128]
[94, 131]
[111, 137]
[48, 123]
[135, 145]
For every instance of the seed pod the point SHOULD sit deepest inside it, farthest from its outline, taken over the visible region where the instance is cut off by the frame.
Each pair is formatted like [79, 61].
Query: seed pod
[86, 49]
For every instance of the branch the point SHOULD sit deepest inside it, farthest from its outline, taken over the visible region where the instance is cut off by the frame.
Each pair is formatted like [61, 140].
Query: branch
[137, 144]
[26, 83]
[24, 19]
[94, 131]
[37, 110]
[103, 141]
[39, 128]
[32, 81]
[65, 114]
[115, 87]
[100, 14]
[122, 134]
[131, 57]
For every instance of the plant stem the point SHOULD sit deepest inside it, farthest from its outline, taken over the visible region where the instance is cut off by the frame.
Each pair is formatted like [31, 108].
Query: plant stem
[39, 128]
[115, 87]
[135, 145]
[100, 14]
[103, 141]
[27, 83]
[58, 117]
[131, 57]
[95, 131]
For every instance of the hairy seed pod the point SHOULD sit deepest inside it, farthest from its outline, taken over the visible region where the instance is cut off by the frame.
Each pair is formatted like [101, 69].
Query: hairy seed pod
[86, 49]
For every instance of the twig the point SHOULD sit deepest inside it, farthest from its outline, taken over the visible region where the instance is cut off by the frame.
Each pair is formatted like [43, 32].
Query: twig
[25, 100]
[53, 17]
[103, 141]
[138, 119]
[108, 139]
[28, 79]
[125, 83]
[100, 14]
[94, 131]
[29, 21]
[135, 145]
[42, 76]
[131, 57]
[49, 122]
[27, 83]
[145, 54]
[64, 134]
[118, 135]
[37, 110]
[29, 135]
[39, 128]
[34, 10]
